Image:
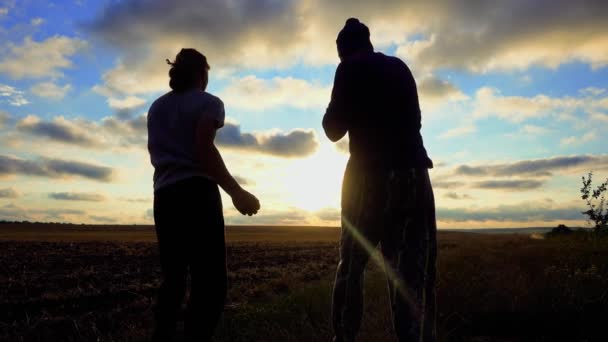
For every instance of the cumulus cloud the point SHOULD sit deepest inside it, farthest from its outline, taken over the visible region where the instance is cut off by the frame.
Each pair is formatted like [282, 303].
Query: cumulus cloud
[490, 102]
[509, 185]
[536, 167]
[33, 59]
[53, 168]
[129, 102]
[254, 93]
[77, 196]
[126, 133]
[13, 96]
[488, 35]
[458, 131]
[475, 36]
[437, 89]
[59, 129]
[343, 145]
[50, 90]
[296, 143]
[580, 139]
[8, 193]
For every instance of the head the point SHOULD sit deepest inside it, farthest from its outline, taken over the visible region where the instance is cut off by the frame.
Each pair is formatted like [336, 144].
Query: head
[189, 70]
[353, 39]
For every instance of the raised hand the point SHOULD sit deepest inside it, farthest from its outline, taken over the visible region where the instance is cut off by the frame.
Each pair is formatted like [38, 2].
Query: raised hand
[245, 202]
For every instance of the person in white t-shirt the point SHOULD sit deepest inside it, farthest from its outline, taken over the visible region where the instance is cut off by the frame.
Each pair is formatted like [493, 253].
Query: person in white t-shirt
[187, 205]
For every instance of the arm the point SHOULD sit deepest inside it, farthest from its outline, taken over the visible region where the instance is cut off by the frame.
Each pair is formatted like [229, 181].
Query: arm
[335, 120]
[214, 167]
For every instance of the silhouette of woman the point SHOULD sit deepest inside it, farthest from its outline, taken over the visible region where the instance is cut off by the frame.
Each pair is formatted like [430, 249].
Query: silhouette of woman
[187, 205]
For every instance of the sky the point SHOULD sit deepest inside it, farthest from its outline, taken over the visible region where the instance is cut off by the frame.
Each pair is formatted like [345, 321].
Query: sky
[514, 99]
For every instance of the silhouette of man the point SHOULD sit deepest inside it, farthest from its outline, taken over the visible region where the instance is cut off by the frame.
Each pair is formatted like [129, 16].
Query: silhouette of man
[187, 206]
[387, 198]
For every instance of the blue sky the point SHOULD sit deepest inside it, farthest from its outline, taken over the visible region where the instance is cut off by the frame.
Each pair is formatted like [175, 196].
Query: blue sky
[513, 91]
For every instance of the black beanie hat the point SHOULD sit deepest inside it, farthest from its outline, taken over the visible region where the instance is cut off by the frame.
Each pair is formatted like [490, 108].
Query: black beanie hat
[354, 36]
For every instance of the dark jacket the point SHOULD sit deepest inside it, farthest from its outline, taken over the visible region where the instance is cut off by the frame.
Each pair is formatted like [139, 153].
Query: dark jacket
[375, 100]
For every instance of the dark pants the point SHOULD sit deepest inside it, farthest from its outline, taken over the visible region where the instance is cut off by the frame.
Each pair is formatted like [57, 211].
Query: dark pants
[190, 230]
[396, 210]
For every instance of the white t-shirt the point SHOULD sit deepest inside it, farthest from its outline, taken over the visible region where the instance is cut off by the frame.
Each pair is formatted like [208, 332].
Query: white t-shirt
[172, 123]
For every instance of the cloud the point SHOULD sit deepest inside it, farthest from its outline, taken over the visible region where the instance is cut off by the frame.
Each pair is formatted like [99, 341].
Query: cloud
[37, 21]
[13, 96]
[456, 196]
[329, 214]
[103, 219]
[292, 216]
[296, 143]
[592, 91]
[254, 93]
[517, 213]
[13, 212]
[136, 200]
[242, 180]
[34, 59]
[8, 193]
[447, 184]
[53, 168]
[129, 102]
[458, 131]
[343, 145]
[509, 185]
[263, 34]
[77, 196]
[493, 38]
[437, 89]
[3, 11]
[126, 132]
[534, 130]
[4, 118]
[578, 140]
[51, 90]
[536, 167]
[489, 102]
[59, 129]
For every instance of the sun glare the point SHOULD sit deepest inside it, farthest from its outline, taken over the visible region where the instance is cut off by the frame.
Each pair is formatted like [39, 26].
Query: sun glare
[315, 182]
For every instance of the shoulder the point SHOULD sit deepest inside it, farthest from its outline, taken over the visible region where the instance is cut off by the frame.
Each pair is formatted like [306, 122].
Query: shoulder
[213, 106]
[159, 101]
[213, 99]
[207, 100]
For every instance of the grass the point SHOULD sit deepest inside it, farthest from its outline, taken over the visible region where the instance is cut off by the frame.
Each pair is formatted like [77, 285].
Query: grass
[508, 287]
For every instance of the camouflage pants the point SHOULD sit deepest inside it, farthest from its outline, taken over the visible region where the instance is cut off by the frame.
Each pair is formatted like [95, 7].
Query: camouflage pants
[396, 210]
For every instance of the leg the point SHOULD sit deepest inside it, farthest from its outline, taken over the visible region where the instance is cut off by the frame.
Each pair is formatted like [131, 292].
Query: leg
[207, 266]
[410, 249]
[347, 300]
[360, 236]
[173, 268]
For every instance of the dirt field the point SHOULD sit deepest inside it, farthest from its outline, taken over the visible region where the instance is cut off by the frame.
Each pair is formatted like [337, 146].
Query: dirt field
[97, 283]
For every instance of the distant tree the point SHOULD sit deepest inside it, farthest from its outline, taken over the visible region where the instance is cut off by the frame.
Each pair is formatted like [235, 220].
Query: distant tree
[561, 229]
[595, 200]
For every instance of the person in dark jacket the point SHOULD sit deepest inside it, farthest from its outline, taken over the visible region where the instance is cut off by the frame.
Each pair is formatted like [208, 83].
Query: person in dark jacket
[387, 197]
[187, 205]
